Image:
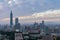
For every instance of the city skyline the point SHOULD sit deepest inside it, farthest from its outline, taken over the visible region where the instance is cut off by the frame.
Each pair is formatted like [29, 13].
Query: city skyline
[30, 10]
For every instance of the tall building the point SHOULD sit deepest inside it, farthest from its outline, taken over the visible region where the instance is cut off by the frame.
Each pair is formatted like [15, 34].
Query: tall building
[17, 25]
[43, 22]
[35, 25]
[11, 19]
[16, 21]
[43, 25]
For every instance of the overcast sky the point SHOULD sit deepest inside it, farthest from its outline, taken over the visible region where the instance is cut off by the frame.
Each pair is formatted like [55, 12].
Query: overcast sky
[29, 11]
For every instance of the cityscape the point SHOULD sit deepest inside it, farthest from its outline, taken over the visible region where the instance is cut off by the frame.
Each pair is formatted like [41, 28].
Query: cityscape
[35, 31]
[29, 19]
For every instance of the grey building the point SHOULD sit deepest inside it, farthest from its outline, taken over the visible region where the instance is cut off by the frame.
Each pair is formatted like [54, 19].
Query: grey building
[47, 37]
[17, 25]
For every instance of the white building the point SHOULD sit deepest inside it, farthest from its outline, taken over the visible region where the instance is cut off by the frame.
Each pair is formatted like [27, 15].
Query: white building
[18, 36]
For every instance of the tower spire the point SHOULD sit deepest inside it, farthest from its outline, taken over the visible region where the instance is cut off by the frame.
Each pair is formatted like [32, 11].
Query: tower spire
[11, 19]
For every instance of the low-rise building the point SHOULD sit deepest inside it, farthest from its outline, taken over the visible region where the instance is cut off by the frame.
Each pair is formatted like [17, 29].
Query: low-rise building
[18, 36]
[25, 35]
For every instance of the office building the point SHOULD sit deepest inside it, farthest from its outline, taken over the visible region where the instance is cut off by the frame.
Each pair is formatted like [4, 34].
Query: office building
[11, 19]
[17, 25]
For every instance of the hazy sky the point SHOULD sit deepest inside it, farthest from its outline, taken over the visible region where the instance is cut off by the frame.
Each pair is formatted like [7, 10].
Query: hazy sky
[29, 11]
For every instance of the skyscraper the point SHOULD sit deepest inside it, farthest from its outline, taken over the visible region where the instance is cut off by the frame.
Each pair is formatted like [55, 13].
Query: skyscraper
[11, 19]
[16, 21]
[43, 28]
[17, 25]
[43, 22]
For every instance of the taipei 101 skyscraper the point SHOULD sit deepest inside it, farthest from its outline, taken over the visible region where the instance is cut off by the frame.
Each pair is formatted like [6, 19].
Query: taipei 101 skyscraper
[11, 19]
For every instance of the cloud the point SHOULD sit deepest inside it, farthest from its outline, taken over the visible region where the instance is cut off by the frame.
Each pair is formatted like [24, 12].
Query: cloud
[1, 5]
[34, 9]
[50, 15]
[30, 6]
[15, 2]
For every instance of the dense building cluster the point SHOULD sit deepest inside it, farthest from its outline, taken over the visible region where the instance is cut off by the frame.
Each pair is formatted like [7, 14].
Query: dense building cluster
[36, 31]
